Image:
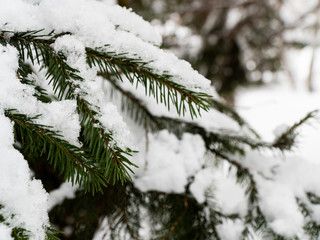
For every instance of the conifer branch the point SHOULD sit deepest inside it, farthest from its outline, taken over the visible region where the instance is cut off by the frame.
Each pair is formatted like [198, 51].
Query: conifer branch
[65, 80]
[255, 217]
[161, 87]
[111, 158]
[23, 74]
[136, 71]
[31, 45]
[311, 226]
[68, 160]
[226, 140]
[287, 139]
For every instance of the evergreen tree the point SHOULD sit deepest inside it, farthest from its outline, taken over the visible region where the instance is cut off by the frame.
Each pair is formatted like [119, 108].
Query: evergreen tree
[233, 43]
[61, 79]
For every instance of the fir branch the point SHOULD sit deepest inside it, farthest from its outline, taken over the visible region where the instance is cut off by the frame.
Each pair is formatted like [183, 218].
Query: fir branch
[288, 138]
[226, 140]
[161, 87]
[23, 74]
[243, 173]
[60, 74]
[137, 111]
[65, 80]
[51, 232]
[70, 161]
[255, 217]
[111, 158]
[176, 222]
[311, 226]
[31, 45]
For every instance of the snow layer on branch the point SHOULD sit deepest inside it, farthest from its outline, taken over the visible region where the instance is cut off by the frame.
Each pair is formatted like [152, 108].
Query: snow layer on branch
[96, 24]
[63, 117]
[169, 162]
[24, 198]
[230, 230]
[91, 89]
[202, 181]
[228, 195]
[211, 120]
[127, 20]
[281, 184]
[60, 115]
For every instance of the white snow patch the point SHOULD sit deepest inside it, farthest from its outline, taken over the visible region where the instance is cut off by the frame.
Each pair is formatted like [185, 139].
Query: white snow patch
[202, 181]
[5, 232]
[62, 115]
[170, 162]
[65, 191]
[230, 230]
[97, 24]
[229, 196]
[21, 196]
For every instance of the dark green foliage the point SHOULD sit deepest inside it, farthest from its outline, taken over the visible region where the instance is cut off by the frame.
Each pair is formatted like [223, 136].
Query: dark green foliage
[224, 141]
[161, 87]
[35, 47]
[64, 79]
[68, 161]
[101, 167]
[19, 234]
[287, 139]
[97, 143]
[181, 217]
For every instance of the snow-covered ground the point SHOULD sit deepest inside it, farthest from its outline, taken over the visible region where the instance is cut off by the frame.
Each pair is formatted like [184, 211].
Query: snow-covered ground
[278, 103]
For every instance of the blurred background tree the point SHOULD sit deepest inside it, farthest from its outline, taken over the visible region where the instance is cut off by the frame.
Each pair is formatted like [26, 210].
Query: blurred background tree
[231, 42]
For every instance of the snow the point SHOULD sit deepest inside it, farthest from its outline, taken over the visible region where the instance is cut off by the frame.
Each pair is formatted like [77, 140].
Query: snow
[28, 201]
[102, 231]
[5, 232]
[169, 162]
[278, 204]
[65, 191]
[88, 21]
[57, 113]
[281, 129]
[230, 230]
[229, 196]
[202, 181]
[60, 115]
[91, 89]
[211, 120]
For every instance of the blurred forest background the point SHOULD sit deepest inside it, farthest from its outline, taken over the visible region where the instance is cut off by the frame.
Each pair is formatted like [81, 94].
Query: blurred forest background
[261, 56]
[236, 43]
